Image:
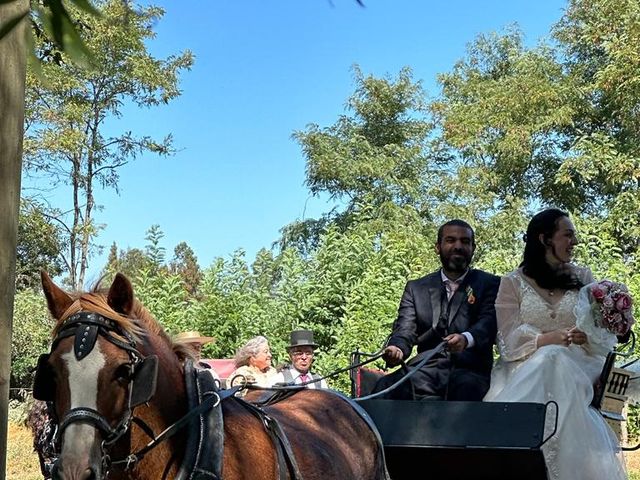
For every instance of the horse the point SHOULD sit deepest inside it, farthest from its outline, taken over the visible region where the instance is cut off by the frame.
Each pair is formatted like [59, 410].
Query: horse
[116, 380]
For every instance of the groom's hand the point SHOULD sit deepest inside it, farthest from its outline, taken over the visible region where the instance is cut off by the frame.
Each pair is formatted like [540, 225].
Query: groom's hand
[392, 355]
[456, 342]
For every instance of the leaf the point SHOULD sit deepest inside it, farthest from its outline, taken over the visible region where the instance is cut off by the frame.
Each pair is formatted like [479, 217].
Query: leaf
[11, 23]
[87, 7]
[34, 63]
[59, 26]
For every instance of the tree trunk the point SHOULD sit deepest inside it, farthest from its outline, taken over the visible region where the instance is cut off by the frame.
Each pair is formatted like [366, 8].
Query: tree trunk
[12, 83]
[77, 221]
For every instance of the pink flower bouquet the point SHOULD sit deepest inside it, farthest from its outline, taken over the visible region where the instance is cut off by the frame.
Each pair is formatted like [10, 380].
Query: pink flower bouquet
[613, 306]
[604, 311]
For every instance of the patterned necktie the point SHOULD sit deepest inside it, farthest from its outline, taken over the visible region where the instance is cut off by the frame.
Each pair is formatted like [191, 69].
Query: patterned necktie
[304, 378]
[452, 286]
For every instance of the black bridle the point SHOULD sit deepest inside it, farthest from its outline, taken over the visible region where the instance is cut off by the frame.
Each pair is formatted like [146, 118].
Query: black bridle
[85, 327]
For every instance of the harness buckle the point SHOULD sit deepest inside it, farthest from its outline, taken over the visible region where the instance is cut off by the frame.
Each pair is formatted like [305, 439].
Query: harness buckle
[217, 402]
[106, 461]
[130, 461]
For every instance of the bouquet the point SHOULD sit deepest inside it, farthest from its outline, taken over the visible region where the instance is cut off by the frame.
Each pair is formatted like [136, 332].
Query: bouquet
[604, 311]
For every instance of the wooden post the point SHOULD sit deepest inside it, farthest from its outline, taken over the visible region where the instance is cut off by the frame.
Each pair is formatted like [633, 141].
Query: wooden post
[12, 84]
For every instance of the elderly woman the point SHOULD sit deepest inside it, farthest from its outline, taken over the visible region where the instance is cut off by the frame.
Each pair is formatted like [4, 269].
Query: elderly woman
[253, 364]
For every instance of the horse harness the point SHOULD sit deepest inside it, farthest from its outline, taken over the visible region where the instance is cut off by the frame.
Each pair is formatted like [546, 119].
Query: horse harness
[143, 372]
[205, 442]
[203, 455]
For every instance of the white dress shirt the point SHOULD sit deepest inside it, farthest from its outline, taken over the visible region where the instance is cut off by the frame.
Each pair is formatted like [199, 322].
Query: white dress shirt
[451, 287]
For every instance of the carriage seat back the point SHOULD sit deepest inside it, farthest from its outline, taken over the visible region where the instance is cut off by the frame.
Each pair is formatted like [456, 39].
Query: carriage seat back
[222, 366]
[363, 379]
[610, 395]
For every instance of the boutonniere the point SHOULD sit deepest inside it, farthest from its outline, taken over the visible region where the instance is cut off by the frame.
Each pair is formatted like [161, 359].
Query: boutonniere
[471, 298]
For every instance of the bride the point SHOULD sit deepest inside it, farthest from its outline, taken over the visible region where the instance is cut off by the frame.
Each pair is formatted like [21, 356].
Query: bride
[544, 357]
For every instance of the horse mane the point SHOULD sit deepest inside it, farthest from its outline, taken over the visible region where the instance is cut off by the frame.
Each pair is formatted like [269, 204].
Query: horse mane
[139, 322]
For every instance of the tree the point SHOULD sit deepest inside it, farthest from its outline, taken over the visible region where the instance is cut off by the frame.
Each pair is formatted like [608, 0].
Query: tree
[554, 123]
[31, 336]
[503, 114]
[154, 252]
[68, 106]
[377, 154]
[600, 42]
[185, 264]
[39, 245]
[13, 50]
[130, 262]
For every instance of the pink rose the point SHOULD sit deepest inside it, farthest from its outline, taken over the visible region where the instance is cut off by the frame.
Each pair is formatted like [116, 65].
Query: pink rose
[623, 302]
[607, 302]
[597, 291]
[614, 322]
[622, 329]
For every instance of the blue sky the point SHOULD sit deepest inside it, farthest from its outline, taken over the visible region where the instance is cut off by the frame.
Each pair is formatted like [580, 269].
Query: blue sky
[264, 69]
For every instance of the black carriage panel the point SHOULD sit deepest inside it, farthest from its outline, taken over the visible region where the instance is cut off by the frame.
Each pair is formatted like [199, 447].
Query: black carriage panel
[461, 440]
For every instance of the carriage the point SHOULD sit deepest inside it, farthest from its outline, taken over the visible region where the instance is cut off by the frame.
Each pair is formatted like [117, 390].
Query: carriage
[128, 412]
[481, 440]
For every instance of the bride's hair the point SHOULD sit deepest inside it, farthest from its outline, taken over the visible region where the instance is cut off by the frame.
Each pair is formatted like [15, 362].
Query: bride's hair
[534, 263]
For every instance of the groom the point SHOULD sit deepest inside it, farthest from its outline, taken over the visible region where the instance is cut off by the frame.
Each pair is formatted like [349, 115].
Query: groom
[454, 304]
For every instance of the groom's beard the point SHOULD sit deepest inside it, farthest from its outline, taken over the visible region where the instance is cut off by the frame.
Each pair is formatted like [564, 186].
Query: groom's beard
[455, 261]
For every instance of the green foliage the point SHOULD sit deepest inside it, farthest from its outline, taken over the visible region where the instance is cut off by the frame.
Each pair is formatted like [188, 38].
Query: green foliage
[31, 334]
[514, 129]
[164, 296]
[128, 262]
[67, 107]
[503, 112]
[377, 154]
[185, 264]
[39, 245]
[154, 251]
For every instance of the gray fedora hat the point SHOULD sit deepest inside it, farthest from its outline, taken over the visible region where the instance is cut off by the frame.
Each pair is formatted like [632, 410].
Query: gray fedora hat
[302, 338]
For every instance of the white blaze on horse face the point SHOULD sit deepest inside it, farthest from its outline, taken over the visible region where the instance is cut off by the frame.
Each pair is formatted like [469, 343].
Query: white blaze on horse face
[83, 392]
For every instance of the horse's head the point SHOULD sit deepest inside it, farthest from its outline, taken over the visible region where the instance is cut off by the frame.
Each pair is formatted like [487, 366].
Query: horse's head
[95, 374]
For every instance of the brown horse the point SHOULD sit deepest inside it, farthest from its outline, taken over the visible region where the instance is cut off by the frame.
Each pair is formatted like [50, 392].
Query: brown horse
[116, 381]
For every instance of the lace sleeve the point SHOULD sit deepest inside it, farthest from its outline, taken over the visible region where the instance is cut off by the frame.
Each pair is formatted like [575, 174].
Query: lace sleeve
[516, 339]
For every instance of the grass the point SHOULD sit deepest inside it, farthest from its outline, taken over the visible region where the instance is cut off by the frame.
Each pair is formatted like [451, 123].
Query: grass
[633, 464]
[22, 462]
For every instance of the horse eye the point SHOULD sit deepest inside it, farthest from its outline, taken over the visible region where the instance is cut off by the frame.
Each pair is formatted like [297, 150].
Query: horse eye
[123, 373]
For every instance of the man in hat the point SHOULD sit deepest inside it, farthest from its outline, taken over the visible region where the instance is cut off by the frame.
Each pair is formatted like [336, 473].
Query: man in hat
[301, 351]
[195, 341]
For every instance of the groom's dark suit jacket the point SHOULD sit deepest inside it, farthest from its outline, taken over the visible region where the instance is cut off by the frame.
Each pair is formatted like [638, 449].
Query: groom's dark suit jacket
[425, 316]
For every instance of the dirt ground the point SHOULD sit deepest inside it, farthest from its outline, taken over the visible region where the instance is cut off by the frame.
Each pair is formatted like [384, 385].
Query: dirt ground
[633, 462]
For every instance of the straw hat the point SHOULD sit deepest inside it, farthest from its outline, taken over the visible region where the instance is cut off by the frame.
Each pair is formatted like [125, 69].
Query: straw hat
[193, 336]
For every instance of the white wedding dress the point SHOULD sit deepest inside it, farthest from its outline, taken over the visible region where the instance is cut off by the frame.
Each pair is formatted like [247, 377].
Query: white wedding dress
[584, 447]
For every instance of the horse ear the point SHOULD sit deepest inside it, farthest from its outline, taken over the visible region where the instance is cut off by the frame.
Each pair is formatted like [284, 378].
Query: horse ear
[120, 296]
[57, 299]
